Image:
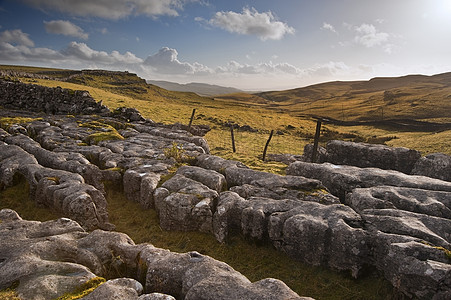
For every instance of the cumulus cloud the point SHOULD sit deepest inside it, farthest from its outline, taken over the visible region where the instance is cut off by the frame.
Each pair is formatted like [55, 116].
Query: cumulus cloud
[166, 61]
[327, 26]
[260, 68]
[16, 37]
[251, 22]
[112, 9]
[369, 36]
[65, 28]
[84, 52]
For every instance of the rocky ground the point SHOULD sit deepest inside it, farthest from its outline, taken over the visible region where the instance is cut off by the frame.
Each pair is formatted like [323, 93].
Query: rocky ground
[363, 207]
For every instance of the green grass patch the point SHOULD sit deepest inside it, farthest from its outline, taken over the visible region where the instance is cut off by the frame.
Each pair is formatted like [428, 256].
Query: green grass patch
[17, 198]
[10, 292]
[83, 290]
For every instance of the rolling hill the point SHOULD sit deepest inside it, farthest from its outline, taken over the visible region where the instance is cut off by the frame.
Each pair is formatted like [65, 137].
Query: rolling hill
[201, 89]
[408, 97]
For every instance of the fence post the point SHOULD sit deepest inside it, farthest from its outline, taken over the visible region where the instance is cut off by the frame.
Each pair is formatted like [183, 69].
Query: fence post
[233, 138]
[192, 117]
[267, 144]
[315, 142]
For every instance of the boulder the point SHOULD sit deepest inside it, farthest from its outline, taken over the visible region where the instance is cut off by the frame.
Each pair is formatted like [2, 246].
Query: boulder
[196, 276]
[321, 155]
[117, 289]
[330, 235]
[432, 203]
[11, 158]
[185, 204]
[217, 163]
[414, 268]
[341, 180]
[436, 165]
[434, 230]
[371, 155]
[214, 180]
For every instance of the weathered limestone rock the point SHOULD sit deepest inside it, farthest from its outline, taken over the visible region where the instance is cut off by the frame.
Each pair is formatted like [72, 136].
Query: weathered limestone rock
[11, 158]
[117, 289]
[321, 155]
[341, 180]
[332, 235]
[210, 178]
[434, 230]
[414, 268]
[432, 203]
[61, 190]
[436, 165]
[217, 163]
[185, 204]
[284, 158]
[371, 155]
[140, 183]
[247, 216]
[250, 183]
[52, 258]
[195, 276]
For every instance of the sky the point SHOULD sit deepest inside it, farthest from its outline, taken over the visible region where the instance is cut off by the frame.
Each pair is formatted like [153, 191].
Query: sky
[251, 45]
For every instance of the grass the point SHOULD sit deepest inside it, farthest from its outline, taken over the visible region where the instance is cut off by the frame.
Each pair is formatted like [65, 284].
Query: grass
[83, 290]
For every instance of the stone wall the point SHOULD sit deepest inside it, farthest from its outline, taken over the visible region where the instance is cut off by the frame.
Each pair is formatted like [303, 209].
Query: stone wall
[17, 95]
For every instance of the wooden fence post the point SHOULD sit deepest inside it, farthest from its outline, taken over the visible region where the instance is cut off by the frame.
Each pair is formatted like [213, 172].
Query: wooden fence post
[192, 117]
[267, 144]
[233, 138]
[315, 142]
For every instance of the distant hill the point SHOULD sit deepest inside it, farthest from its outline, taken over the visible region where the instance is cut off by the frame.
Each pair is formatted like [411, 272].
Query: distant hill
[202, 89]
[406, 97]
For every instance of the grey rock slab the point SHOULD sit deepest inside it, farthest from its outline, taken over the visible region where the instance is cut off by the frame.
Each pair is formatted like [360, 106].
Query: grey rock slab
[117, 289]
[371, 155]
[415, 269]
[210, 178]
[219, 164]
[195, 276]
[331, 235]
[433, 203]
[435, 165]
[434, 230]
[11, 159]
[341, 180]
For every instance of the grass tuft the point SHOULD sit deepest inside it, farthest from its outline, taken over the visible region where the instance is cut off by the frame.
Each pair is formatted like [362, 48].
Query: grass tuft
[83, 290]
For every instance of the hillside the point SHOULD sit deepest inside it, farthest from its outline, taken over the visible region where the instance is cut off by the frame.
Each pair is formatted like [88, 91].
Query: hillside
[408, 97]
[202, 89]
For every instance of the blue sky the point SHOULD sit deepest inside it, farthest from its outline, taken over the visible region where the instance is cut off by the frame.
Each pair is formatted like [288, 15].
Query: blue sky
[254, 45]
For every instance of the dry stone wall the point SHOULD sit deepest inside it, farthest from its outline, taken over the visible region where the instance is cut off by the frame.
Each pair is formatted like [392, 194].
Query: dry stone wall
[17, 95]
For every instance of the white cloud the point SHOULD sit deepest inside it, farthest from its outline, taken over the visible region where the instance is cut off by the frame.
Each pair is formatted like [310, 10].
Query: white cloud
[251, 22]
[369, 36]
[260, 68]
[16, 37]
[103, 30]
[84, 52]
[65, 28]
[328, 70]
[166, 62]
[327, 26]
[112, 9]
